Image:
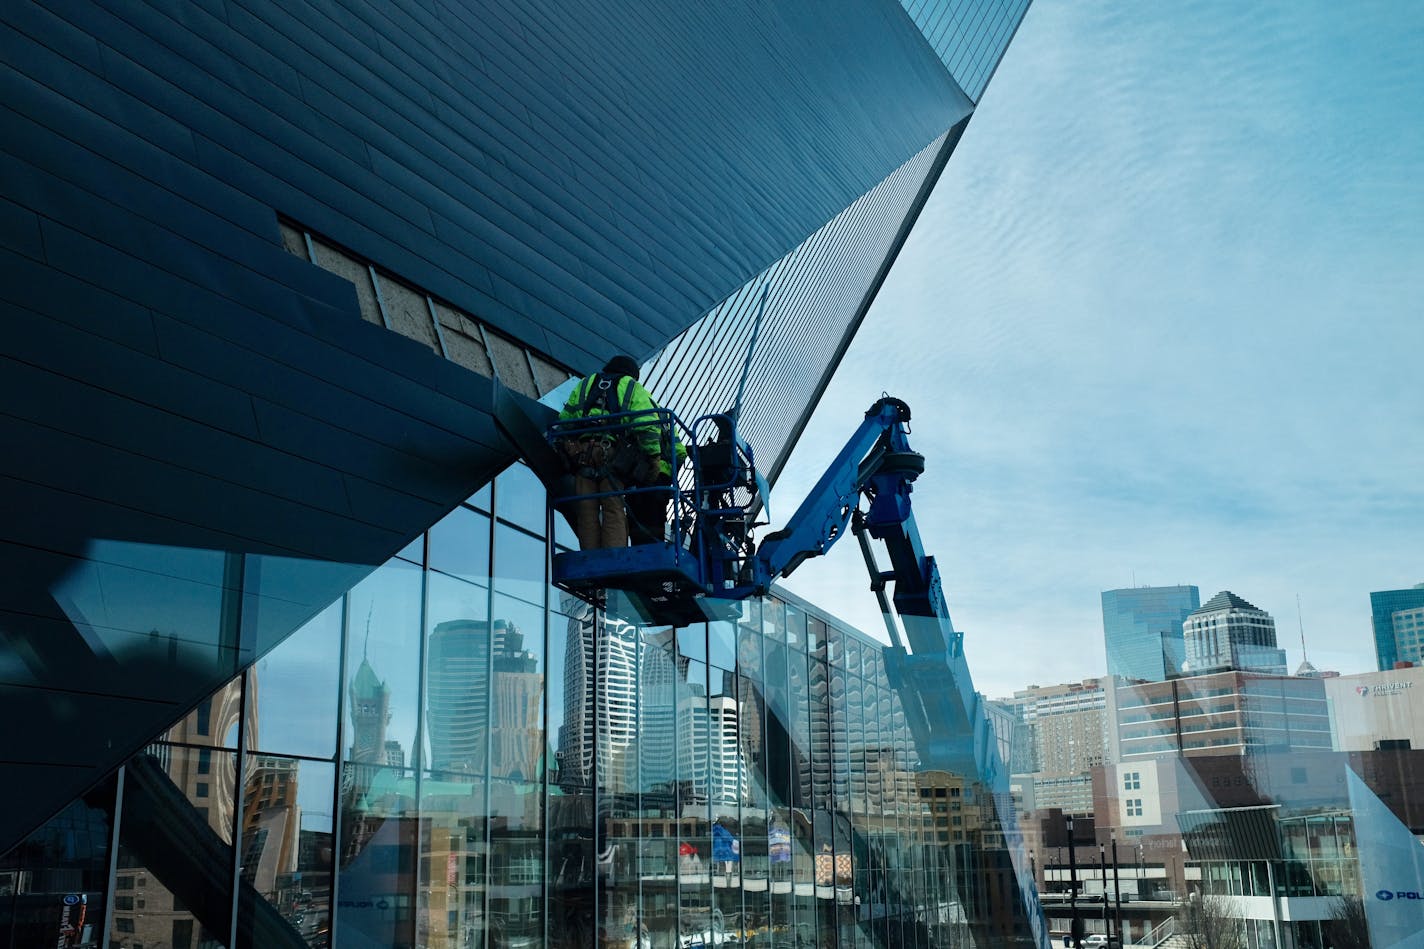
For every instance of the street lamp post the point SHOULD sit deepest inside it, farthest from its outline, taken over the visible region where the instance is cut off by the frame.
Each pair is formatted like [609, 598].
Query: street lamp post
[1075, 925]
[1141, 871]
[1103, 866]
[1117, 891]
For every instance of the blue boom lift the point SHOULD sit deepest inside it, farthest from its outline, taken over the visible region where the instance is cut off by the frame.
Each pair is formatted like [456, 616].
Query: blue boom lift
[709, 562]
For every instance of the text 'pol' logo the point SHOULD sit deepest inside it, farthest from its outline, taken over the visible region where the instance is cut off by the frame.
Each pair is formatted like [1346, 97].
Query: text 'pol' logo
[1385, 895]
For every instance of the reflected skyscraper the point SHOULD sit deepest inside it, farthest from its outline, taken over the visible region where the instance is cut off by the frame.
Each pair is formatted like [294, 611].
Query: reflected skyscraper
[1142, 630]
[457, 697]
[271, 821]
[370, 702]
[600, 696]
[1397, 618]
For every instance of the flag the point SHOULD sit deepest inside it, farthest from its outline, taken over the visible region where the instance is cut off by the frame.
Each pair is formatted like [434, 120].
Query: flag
[725, 846]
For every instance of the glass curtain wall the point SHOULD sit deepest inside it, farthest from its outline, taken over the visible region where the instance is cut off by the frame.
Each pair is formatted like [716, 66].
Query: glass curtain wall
[458, 754]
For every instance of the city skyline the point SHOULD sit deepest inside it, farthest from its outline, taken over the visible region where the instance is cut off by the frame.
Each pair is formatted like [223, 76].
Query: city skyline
[1157, 330]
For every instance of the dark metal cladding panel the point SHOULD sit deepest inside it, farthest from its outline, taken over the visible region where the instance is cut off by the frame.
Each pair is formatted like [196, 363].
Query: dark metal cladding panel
[675, 150]
[816, 297]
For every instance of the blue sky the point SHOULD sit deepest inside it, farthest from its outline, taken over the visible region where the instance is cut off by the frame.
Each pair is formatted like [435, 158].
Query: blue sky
[1161, 322]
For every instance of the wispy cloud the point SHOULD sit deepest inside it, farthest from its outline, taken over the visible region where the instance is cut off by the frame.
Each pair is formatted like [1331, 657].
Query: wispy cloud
[1164, 314]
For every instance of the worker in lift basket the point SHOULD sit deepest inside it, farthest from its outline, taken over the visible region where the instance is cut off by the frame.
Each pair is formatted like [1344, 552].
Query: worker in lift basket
[641, 454]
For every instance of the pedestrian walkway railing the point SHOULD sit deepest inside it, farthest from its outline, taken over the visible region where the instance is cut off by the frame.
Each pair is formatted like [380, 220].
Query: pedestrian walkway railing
[1161, 934]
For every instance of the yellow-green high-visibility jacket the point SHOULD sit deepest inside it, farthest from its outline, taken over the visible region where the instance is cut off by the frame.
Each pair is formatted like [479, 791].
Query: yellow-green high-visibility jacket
[601, 394]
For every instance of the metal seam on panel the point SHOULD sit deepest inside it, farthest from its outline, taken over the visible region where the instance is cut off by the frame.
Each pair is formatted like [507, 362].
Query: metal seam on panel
[435, 321]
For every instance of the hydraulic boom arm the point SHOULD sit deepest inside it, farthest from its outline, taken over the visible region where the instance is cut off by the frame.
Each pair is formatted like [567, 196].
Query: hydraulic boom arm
[876, 461]
[944, 713]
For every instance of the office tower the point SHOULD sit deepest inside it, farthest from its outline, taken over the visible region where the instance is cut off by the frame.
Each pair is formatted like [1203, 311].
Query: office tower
[1142, 630]
[1065, 729]
[1228, 633]
[1397, 617]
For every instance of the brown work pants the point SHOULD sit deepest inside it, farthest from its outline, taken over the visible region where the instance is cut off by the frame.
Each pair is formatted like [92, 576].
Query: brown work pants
[648, 513]
[599, 522]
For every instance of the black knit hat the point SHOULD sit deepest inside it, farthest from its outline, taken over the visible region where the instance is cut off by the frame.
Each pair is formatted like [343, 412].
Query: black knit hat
[622, 366]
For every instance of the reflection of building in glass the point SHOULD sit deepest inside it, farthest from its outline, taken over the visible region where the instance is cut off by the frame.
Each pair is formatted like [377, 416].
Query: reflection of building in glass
[457, 696]
[516, 706]
[206, 776]
[271, 821]
[370, 702]
[601, 682]
[1064, 732]
[710, 735]
[469, 717]
[200, 769]
[1291, 833]
[1142, 630]
[1397, 617]
[1216, 714]
[466, 717]
[1229, 633]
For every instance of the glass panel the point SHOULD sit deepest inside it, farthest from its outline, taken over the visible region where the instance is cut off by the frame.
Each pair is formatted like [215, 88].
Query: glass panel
[618, 776]
[516, 764]
[294, 691]
[175, 848]
[56, 879]
[773, 619]
[458, 675]
[564, 535]
[569, 814]
[453, 860]
[722, 644]
[658, 780]
[520, 498]
[383, 666]
[460, 545]
[379, 835]
[287, 842]
[694, 864]
[377, 847]
[414, 551]
[692, 642]
[214, 721]
[519, 562]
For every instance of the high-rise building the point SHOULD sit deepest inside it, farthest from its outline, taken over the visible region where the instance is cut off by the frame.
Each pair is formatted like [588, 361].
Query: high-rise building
[274, 270]
[1228, 633]
[1397, 617]
[1218, 713]
[1142, 630]
[1377, 710]
[1066, 733]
